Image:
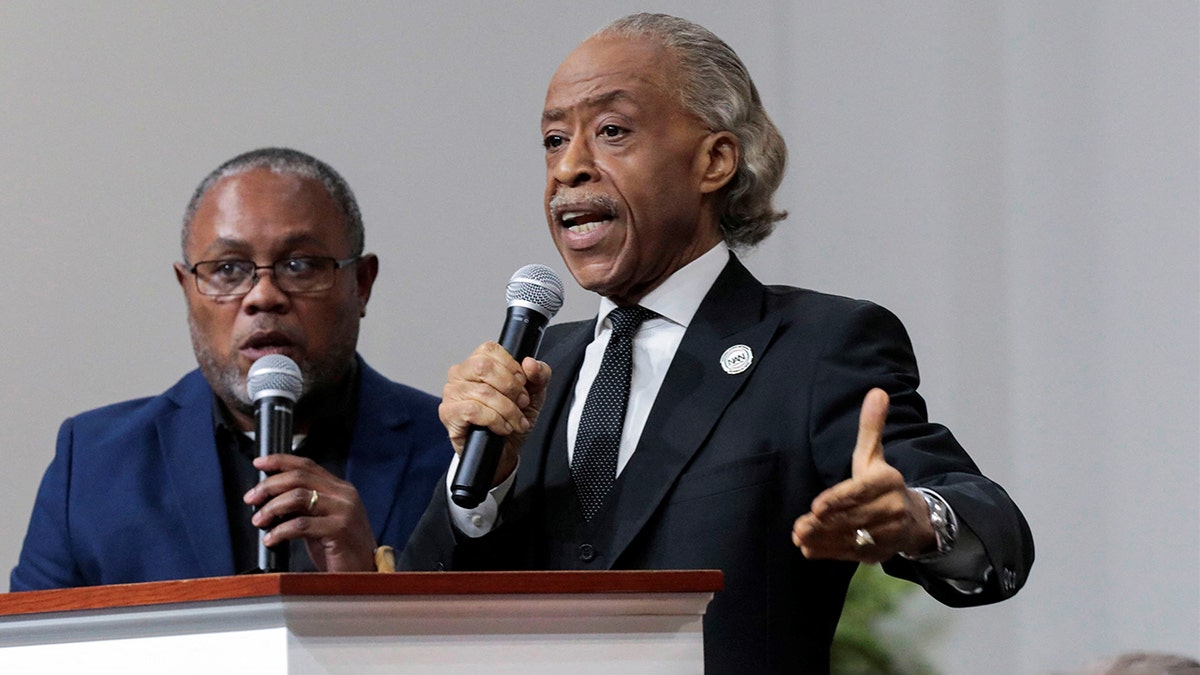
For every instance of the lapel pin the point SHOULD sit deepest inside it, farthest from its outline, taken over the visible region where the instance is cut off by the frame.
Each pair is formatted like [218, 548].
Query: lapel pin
[737, 359]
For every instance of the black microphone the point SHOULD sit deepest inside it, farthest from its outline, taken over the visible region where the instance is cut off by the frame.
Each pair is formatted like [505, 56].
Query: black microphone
[535, 294]
[274, 384]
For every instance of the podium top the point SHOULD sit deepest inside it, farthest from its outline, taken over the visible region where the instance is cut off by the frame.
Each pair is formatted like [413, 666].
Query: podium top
[360, 584]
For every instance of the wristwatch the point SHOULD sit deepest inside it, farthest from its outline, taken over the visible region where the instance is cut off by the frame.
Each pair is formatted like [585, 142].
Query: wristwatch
[945, 525]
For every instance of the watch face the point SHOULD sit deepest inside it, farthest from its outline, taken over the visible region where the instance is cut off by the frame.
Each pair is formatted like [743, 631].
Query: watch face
[943, 528]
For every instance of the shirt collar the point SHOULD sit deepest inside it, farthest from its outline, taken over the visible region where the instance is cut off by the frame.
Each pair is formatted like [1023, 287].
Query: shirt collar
[678, 297]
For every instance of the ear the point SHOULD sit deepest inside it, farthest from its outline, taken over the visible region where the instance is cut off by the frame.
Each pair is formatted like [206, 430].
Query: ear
[181, 275]
[717, 160]
[365, 272]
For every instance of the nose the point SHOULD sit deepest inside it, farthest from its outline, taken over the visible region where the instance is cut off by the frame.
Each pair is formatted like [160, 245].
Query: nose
[575, 165]
[265, 295]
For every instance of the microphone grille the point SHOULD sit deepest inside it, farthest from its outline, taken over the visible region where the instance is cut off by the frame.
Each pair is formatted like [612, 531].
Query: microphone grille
[274, 375]
[536, 287]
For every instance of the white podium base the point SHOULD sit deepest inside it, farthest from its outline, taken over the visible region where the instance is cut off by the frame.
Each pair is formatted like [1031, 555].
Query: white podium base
[609, 633]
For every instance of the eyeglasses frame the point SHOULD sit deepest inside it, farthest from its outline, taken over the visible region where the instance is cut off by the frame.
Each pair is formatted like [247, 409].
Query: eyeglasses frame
[254, 276]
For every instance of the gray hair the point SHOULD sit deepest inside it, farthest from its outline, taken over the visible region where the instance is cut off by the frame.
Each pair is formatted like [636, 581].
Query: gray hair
[716, 87]
[1144, 663]
[284, 161]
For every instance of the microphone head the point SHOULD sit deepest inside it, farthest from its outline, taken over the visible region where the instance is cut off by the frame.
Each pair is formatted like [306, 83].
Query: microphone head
[274, 375]
[536, 287]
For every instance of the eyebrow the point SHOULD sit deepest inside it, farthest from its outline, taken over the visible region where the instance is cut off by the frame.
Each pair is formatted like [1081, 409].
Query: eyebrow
[607, 98]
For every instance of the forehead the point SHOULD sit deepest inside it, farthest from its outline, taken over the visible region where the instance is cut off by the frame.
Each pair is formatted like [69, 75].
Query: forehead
[607, 68]
[260, 206]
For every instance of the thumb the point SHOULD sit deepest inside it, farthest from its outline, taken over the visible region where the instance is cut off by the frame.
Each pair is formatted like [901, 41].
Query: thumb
[869, 447]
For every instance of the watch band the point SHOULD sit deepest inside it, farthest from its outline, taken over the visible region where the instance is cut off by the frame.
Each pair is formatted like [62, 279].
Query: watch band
[945, 525]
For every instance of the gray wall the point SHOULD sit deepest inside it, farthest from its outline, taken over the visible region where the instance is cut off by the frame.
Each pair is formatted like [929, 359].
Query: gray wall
[1017, 180]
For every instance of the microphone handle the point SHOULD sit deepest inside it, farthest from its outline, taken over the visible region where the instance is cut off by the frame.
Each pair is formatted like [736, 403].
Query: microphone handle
[520, 336]
[273, 423]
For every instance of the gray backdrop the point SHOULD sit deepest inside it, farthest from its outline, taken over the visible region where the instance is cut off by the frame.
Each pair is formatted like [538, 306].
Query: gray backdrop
[1016, 179]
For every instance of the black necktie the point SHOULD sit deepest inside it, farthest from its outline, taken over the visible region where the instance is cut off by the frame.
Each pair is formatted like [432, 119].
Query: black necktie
[594, 463]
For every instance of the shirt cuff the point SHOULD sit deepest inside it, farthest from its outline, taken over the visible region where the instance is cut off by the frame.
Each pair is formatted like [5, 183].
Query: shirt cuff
[480, 520]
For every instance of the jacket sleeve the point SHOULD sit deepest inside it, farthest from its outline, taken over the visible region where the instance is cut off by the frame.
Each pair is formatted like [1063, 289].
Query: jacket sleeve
[47, 560]
[437, 545]
[873, 350]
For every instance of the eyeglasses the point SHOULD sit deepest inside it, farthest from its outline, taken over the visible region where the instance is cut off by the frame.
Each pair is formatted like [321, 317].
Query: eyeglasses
[226, 278]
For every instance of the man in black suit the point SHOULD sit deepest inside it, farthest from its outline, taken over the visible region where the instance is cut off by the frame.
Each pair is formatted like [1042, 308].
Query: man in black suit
[774, 433]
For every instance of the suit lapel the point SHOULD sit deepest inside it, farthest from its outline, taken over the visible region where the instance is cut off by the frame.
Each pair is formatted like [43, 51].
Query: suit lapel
[379, 450]
[189, 452]
[564, 357]
[693, 396]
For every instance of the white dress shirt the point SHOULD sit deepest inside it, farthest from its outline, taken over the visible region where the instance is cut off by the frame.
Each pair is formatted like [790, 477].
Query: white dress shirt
[675, 301]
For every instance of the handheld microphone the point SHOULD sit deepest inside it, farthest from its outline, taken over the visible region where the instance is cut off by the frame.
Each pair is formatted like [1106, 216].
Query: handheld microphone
[274, 384]
[535, 294]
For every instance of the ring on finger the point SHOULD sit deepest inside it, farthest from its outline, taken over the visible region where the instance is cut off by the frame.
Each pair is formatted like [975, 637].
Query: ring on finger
[862, 538]
[312, 500]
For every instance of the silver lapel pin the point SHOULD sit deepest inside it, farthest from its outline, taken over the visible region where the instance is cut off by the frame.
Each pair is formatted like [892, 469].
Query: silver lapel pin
[736, 359]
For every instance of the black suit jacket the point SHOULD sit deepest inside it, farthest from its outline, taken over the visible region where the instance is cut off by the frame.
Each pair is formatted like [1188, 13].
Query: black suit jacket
[726, 463]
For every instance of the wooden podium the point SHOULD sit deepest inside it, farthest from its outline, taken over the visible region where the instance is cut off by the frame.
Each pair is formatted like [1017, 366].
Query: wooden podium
[614, 623]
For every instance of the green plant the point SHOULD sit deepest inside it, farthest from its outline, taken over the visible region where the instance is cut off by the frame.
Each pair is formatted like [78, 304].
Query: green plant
[858, 644]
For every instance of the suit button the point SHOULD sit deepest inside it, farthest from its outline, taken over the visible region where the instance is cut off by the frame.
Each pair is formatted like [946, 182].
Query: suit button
[587, 553]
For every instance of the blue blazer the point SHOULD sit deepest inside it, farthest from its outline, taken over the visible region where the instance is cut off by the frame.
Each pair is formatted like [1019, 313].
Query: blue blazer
[727, 462]
[134, 492]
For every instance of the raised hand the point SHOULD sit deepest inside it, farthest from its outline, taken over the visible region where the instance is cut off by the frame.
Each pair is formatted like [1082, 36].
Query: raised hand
[490, 389]
[872, 515]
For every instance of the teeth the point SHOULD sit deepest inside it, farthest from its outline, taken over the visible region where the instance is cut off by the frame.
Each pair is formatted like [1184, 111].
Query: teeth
[568, 219]
[586, 227]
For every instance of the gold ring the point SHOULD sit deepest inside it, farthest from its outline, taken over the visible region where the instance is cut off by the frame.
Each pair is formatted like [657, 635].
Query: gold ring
[312, 501]
[863, 538]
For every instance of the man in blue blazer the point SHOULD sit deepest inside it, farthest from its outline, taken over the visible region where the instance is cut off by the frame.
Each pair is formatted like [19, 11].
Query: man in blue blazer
[167, 487]
[771, 432]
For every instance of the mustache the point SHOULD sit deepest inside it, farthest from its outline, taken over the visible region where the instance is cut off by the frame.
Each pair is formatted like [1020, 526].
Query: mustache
[564, 200]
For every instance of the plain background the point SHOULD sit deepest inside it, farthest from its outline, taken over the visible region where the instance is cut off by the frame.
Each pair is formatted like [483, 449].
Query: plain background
[1018, 180]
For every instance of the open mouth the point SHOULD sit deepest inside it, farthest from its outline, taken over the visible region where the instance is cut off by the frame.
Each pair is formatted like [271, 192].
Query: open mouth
[582, 212]
[582, 222]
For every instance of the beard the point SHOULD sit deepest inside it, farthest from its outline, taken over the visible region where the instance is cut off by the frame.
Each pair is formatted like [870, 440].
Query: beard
[319, 375]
